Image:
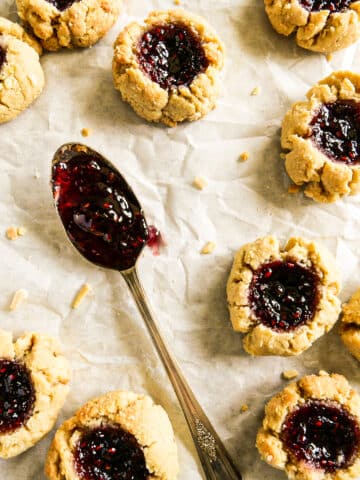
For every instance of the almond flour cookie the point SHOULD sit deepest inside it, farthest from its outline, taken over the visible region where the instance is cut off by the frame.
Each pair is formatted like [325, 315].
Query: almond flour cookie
[15, 30]
[312, 429]
[320, 25]
[168, 68]
[350, 325]
[118, 435]
[282, 298]
[34, 379]
[322, 138]
[69, 23]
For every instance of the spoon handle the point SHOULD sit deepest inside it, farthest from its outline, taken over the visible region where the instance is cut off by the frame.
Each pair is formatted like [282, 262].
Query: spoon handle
[215, 460]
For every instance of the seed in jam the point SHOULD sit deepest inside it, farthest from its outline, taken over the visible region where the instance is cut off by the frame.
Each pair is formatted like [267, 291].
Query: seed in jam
[17, 395]
[62, 4]
[171, 55]
[323, 434]
[109, 453]
[99, 211]
[332, 5]
[283, 295]
[2, 56]
[336, 130]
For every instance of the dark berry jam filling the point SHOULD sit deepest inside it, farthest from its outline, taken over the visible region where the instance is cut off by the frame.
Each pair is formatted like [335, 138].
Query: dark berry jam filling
[100, 213]
[322, 434]
[2, 56]
[171, 55]
[336, 130]
[332, 5]
[109, 453]
[284, 295]
[62, 4]
[17, 395]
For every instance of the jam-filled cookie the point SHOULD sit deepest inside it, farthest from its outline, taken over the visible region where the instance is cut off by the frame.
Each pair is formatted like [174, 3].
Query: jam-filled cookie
[21, 76]
[312, 429]
[34, 378]
[322, 138]
[282, 298]
[168, 68]
[120, 435]
[320, 25]
[69, 23]
[15, 30]
[350, 325]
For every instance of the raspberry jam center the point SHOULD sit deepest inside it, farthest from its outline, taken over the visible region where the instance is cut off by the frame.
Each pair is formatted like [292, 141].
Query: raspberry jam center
[332, 5]
[109, 453]
[62, 4]
[2, 56]
[171, 55]
[283, 295]
[17, 395]
[322, 434]
[336, 131]
[99, 211]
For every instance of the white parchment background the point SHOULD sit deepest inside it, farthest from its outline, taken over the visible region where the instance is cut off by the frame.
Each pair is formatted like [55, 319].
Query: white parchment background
[104, 339]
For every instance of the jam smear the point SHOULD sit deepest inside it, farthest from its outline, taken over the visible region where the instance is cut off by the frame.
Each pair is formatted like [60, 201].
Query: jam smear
[155, 240]
[171, 55]
[323, 434]
[2, 56]
[109, 453]
[332, 5]
[99, 211]
[62, 5]
[336, 131]
[283, 295]
[17, 395]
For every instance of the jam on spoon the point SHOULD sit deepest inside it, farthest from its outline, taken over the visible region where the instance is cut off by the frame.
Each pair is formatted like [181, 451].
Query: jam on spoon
[332, 5]
[322, 434]
[17, 395]
[283, 295]
[62, 5]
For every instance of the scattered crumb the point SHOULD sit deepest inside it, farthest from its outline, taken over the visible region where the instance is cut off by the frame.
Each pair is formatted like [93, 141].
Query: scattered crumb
[290, 374]
[244, 156]
[329, 57]
[85, 132]
[19, 297]
[200, 183]
[36, 174]
[323, 373]
[177, 2]
[283, 156]
[21, 231]
[209, 247]
[244, 408]
[84, 290]
[12, 233]
[255, 92]
[293, 188]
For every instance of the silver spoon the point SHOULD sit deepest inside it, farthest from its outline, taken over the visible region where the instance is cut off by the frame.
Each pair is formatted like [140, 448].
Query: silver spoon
[104, 221]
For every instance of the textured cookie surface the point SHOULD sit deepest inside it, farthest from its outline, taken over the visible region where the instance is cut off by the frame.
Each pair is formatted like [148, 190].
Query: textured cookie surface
[318, 30]
[350, 325]
[292, 326]
[15, 30]
[135, 414]
[153, 101]
[49, 372]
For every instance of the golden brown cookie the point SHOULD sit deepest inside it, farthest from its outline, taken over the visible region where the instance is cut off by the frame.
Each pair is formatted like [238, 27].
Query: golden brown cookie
[350, 325]
[168, 68]
[320, 25]
[282, 298]
[322, 138]
[21, 77]
[118, 433]
[34, 378]
[69, 23]
[312, 429]
[14, 29]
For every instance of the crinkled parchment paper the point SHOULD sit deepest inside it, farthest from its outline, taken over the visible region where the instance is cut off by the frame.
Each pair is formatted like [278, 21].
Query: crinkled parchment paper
[104, 338]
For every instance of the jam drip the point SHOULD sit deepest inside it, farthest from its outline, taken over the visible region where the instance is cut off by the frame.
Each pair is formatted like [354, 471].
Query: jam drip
[283, 295]
[171, 55]
[109, 453]
[17, 395]
[322, 434]
[62, 4]
[332, 5]
[100, 213]
[336, 130]
[2, 56]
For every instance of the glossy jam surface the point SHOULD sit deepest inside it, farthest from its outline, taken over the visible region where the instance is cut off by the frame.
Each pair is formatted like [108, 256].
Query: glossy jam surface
[99, 211]
[332, 5]
[336, 131]
[283, 295]
[17, 395]
[109, 453]
[171, 55]
[322, 434]
[2, 56]
[62, 4]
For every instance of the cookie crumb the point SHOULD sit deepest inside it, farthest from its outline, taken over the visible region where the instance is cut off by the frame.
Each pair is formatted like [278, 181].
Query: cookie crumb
[19, 297]
[244, 156]
[323, 373]
[85, 132]
[290, 374]
[283, 156]
[208, 248]
[293, 188]
[200, 183]
[177, 2]
[84, 290]
[244, 408]
[21, 231]
[255, 91]
[12, 233]
[329, 57]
